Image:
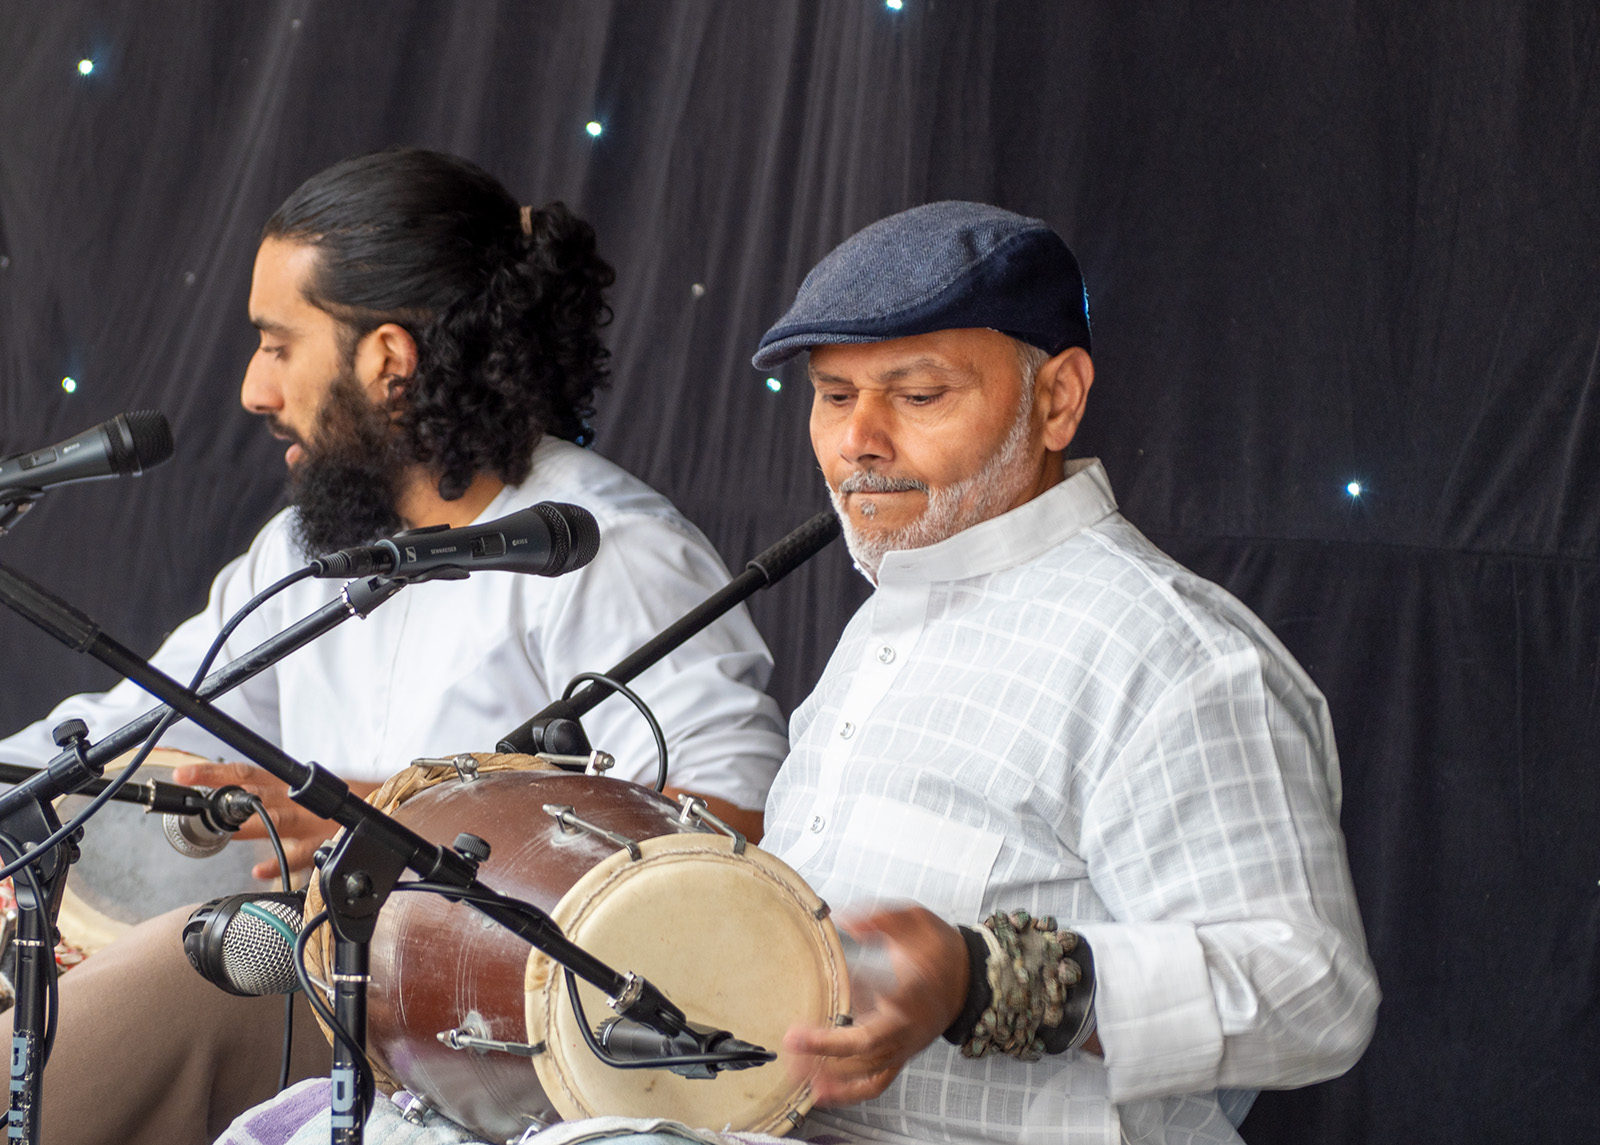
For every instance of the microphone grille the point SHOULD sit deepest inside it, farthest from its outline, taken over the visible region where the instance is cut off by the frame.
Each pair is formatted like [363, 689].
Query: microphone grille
[258, 944]
[152, 438]
[189, 836]
[574, 535]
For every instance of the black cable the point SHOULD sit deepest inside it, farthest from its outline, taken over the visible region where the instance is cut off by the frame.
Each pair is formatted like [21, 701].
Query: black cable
[365, 1075]
[739, 1057]
[150, 742]
[495, 899]
[255, 804]
[644, 709]
[53, 998]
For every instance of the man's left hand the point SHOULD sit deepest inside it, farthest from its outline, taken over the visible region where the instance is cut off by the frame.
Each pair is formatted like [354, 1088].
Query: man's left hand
[852, 1063]
[301, 831]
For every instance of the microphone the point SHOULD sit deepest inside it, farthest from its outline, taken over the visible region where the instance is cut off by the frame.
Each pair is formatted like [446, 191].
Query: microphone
[244, 943]
[205, 826]
[556, 727]
[631, 1044]
[128, 444]
[547, 539]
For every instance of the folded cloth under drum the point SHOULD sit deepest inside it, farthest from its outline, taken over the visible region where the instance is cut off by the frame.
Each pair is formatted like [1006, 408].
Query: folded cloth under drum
[299, 1116]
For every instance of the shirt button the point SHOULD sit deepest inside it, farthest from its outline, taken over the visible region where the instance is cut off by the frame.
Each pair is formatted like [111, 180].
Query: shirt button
[846, 730]
[886, 655]
[817, 824]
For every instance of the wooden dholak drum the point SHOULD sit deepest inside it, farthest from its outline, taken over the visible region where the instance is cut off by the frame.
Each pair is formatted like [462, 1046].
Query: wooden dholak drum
[737, 940]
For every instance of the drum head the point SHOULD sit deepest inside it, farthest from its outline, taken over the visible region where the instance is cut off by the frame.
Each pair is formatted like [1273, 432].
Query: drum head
[734, 940]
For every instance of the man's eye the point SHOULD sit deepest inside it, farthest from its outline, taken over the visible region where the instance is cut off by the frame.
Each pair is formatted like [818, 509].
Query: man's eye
[272, 351]
[921, 399]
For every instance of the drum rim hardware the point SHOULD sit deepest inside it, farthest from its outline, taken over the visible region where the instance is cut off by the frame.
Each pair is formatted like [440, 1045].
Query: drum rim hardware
[572, 824]
[464, 1038]
[695, 812]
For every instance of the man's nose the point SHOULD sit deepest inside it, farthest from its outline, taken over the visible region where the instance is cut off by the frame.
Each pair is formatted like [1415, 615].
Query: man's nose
[867, 438]
[258, 393]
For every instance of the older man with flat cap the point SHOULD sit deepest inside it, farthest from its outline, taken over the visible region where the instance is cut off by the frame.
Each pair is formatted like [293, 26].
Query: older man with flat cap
[1082, 799]
[1111, 793]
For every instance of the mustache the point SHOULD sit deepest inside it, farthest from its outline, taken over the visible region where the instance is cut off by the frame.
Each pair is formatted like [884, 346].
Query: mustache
[283, 432]
[870, 481]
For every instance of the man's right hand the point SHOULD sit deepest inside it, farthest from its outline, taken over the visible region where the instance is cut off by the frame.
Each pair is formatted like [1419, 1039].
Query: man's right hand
[852, 1063]
[301, 831]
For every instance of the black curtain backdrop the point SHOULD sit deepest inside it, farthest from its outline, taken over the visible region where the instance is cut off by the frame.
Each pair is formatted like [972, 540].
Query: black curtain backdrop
[1325, 242]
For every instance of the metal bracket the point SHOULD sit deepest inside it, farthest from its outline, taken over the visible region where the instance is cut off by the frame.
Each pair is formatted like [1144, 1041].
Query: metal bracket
[696, 814]
[632, 990]
[572, 823]
[464, 1039]
[595, 763]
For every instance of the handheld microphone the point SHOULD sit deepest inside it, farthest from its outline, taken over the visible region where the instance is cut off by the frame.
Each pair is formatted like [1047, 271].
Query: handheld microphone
[244, 943]
[126, 445]
[205, 830]
[547, 539]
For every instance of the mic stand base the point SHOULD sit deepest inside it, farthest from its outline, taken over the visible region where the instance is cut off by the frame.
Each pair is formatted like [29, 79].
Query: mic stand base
[356, 881]
[25, 827]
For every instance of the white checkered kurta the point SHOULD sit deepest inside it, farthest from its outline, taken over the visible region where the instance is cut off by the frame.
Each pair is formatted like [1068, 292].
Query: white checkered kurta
[1046, 712]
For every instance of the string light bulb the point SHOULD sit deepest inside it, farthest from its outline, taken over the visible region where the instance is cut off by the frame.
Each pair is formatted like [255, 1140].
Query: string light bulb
[85, 66]
[70, 385]
[594, 127]
[774, 385]
[894, 5]
[1354, 488]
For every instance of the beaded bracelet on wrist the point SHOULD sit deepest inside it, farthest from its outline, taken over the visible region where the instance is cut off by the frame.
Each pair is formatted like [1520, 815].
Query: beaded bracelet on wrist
[1031, 989]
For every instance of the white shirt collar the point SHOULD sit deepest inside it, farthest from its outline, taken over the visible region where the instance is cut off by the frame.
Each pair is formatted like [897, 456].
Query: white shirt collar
[1083, 499]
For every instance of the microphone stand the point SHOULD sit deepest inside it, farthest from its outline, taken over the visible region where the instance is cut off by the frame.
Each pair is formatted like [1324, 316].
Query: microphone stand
[38, 895]
[555, 728]
[28, 817]
[79, 768]
[15, 504]
[357, 878]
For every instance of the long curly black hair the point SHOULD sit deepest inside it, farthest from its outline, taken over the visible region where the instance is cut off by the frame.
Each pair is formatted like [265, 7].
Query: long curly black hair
[506, 322]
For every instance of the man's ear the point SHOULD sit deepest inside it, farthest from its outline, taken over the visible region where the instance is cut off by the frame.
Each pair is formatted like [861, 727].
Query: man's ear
[384, 359]
[1063, 390]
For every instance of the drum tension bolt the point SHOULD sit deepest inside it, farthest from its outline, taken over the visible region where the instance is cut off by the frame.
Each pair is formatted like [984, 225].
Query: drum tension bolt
[473, 848]
[572, 823]
[696, 813]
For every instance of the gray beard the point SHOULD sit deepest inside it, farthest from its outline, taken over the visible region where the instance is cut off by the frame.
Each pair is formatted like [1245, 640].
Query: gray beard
[950, 509]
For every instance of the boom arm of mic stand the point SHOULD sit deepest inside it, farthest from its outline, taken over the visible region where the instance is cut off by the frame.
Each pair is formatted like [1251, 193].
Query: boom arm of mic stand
[762, 571]
[321, 792]
[78, 768]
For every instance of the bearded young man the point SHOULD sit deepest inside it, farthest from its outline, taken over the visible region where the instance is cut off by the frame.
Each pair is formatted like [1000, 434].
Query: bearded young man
[431, 351]
[1083, 799]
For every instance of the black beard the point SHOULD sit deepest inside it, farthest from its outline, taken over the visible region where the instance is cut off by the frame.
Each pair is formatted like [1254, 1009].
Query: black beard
[343, 489]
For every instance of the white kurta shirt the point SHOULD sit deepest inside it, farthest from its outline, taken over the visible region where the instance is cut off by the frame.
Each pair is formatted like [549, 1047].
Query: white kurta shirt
[1046, 712]
[453, 666]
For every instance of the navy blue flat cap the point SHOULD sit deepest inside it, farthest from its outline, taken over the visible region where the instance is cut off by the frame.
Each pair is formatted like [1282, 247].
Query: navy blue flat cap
[943, 266]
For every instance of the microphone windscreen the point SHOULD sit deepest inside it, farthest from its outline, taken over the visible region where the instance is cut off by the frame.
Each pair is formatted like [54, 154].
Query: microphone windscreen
[244, 943]
[151, 440]
[574, 536]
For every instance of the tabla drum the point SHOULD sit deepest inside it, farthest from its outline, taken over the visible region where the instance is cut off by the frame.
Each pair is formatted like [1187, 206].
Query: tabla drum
[128, 872]
[731, 935]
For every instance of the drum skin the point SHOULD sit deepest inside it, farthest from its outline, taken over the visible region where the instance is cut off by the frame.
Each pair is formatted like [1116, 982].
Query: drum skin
[439, 966]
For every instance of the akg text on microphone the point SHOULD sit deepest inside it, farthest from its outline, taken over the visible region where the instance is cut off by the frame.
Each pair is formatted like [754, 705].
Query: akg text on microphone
[125, 445]
[547, 539]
